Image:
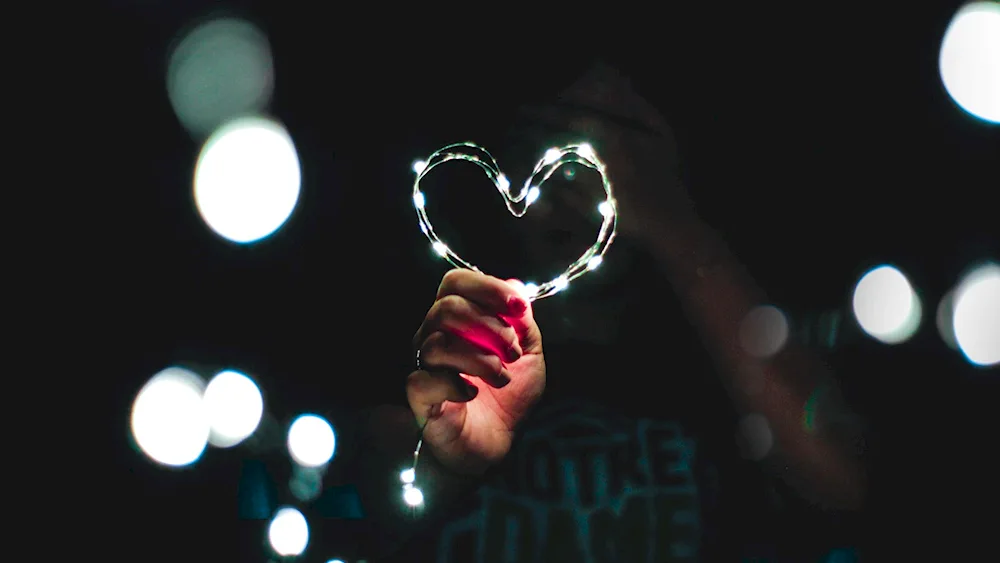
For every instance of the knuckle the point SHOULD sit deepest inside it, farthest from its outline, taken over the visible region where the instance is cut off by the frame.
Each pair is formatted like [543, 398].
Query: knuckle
[433, 347]
[443, 313]
[450, 305]
[436, 340]
[451, 277]
[415, 382]
[434, 314]
[499, 290]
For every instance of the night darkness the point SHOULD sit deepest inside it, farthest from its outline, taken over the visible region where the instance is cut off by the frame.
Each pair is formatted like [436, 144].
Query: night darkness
[818, 139]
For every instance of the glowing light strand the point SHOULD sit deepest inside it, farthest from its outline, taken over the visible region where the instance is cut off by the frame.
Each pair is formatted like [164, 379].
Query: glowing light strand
[412, 495]
[518, 204]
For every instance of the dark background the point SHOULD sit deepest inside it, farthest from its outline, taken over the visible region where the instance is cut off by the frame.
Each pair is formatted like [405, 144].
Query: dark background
[817, 137]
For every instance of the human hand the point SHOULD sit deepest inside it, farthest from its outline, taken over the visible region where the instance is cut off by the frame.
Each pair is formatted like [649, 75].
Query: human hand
[632, 138]
[482, 370]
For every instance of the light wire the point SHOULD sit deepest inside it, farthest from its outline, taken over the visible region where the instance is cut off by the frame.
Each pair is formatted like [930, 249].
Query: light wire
[518, 204]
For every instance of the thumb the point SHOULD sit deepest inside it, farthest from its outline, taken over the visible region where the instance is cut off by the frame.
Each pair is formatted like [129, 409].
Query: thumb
[426, 391]
[527, 331]
[520, 287]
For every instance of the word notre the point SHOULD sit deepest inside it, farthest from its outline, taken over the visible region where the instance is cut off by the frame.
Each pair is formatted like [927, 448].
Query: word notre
[578, 492]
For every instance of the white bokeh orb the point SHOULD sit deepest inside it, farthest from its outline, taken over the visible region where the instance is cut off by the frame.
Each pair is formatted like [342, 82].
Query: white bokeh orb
[764, 331]
[288, 532]
[969, 60]
[247, 179]
[234, 406]
[168, 422]
[220, 69]
[311, 441]
[413, 496]
[885, 305]
[976, 316]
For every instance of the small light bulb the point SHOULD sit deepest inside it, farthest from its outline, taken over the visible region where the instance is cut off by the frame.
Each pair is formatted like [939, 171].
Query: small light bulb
[413, 496]
[529, 290]
[530, 191]
[533, 193]
[560, 283]
[408, 476]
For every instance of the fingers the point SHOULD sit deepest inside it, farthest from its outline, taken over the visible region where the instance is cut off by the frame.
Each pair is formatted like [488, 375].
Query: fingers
[463, 318]
[427, 390]
[502, 298]
[493, 294]
[479, 309]
[446, 353]
[477, 326]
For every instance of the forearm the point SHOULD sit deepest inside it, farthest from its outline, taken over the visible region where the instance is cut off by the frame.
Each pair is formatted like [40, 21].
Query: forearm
[819, 460]
[390, 435]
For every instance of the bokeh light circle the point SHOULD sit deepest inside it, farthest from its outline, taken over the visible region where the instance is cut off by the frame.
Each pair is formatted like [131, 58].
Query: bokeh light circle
[969, 60]
[764, 331]
[311, 441]
[234, 406]
[288, 532]
[168, 420]
[221, 69]
[247, 179]
[976, 316]
[413, 496]
[885, 305]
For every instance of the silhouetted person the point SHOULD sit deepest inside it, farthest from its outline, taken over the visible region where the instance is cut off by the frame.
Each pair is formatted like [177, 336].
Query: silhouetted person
[604, 423]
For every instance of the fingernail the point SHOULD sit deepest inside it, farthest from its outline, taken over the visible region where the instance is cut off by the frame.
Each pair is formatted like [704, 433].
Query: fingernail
[516, 305]
[513, 354]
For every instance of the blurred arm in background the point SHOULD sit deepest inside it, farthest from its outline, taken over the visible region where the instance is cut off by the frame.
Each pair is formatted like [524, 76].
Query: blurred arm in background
[821, 461]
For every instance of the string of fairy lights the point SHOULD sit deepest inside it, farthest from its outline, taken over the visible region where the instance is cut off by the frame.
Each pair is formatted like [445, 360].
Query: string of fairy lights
[518, 204]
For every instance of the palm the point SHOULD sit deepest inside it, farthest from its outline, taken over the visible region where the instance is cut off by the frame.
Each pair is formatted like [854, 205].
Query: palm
[470, 437]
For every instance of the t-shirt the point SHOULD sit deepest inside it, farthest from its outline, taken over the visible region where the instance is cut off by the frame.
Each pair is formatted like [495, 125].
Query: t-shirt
[581, 484]
[632, 454]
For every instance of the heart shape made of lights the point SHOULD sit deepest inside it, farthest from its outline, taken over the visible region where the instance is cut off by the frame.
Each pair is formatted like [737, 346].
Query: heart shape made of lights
[582, 154]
